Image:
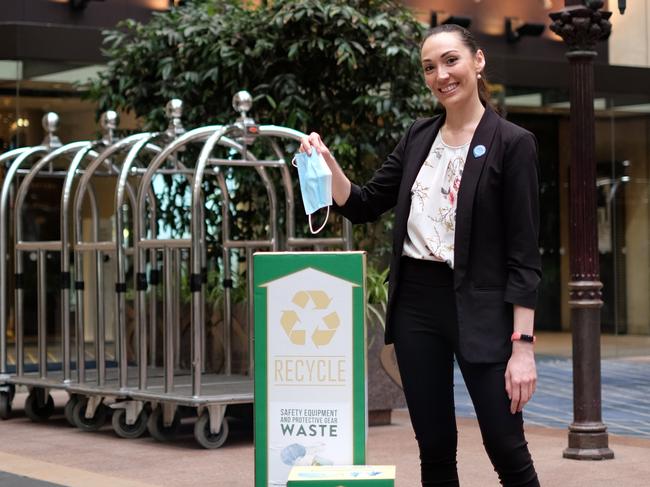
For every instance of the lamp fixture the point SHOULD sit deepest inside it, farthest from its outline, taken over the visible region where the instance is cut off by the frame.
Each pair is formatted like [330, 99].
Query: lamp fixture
[439, 18]
[78, 5]
[621, 6]
[516, 28]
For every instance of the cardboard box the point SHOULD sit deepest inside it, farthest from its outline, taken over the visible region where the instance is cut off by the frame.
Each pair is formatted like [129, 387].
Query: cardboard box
[343, 476]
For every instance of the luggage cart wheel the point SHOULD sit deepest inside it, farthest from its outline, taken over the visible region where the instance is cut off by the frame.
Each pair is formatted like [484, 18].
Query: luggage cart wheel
[37, 407]
[69, 408]
[157, 428]
[125, 430]
[5, 405]
[88, 424]
[206, 438]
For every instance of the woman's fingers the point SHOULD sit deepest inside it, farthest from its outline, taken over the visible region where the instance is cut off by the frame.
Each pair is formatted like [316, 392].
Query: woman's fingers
[527, 389]
[318, 143]
[516, 396]
[313, 141]
[519, 392]
[513, 388]
[521, 380]
[524, 397]
[305, 145]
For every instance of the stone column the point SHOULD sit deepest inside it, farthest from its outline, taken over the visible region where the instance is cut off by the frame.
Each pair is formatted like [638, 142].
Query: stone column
[581, 25]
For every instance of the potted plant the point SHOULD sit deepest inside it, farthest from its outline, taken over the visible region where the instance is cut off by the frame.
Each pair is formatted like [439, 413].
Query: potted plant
[384, 383]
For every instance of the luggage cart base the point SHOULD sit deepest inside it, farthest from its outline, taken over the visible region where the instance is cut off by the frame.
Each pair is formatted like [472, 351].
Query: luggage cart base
[215, 389]
[217, 393]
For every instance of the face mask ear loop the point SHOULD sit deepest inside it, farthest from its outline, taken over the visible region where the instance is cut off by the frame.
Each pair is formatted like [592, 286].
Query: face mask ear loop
[311, 228]
[293, 162]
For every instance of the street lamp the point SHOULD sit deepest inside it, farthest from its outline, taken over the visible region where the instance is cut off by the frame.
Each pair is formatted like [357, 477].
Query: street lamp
[581, 24]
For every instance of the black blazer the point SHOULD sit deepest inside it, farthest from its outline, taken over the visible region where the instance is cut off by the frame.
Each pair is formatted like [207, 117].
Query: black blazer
[496, 257]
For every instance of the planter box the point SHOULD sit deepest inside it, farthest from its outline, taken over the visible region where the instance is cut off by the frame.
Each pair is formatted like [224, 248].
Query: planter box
[343, 476]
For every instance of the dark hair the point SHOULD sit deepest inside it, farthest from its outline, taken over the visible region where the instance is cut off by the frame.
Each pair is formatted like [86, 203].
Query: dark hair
[468, 40]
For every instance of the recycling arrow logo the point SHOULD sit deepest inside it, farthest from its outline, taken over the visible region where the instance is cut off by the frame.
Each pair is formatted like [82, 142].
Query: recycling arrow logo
[310, 318]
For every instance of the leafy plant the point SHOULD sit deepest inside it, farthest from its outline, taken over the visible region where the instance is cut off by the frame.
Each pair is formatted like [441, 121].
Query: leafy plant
[376, 287]
[377, 294]
[349, 69]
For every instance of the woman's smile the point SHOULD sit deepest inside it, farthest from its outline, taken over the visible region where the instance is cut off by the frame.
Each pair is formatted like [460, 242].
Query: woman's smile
[449, 88]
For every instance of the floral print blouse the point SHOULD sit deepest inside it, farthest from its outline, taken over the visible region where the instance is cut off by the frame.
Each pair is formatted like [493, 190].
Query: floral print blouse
[432, 220]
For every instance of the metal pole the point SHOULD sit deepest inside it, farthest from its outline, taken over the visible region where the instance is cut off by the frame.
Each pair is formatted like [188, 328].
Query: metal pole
[581, 27]
[176, 263]
[41, 313]
[20, 156]
[66, 196]
[80, 335]
[18, 313]
[153, 310]
[227, 275]
[100, 338]
[168, 331]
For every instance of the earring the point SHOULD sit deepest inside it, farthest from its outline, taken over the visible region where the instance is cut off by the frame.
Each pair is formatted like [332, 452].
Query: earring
[478, 76]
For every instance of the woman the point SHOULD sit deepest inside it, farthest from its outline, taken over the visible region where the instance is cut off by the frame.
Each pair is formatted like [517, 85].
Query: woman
[465, 265]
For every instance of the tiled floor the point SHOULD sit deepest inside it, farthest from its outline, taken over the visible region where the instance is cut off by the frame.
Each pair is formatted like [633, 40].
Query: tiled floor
[625, 396]
[11, 480]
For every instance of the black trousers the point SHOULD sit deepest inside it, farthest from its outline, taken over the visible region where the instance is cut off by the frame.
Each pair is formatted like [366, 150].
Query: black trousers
[426, 338]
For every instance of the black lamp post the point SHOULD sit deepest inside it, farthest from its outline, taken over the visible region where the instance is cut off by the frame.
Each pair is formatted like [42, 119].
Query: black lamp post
[581, 24]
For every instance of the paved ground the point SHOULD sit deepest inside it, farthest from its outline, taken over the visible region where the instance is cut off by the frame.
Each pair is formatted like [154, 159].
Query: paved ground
[54, 454]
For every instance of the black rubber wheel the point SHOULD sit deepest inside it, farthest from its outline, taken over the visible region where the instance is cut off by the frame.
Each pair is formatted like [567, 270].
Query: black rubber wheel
[5, 405]
[158, 430]
[124, 430]
[37, 410]
[203, 435]
[69, 408]
[88, 424]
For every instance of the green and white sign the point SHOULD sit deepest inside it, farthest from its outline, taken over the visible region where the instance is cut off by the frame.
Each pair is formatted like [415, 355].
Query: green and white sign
[310, 364]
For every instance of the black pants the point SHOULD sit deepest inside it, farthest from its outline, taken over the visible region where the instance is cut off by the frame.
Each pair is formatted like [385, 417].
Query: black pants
[426, 338]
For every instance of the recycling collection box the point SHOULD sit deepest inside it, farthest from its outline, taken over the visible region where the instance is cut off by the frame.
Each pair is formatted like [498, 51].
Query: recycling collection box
[343, 476]
[310, 362]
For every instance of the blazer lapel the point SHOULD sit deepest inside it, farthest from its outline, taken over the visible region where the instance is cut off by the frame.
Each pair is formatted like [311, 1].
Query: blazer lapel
[421, 147]
[479, 151]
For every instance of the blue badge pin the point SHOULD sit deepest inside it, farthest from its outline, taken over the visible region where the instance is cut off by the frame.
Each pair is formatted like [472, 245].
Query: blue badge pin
[479, 150]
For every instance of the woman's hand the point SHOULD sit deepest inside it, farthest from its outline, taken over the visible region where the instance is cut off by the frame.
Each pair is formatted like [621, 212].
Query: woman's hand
[521, 375]
[314, 141]
[341, 186]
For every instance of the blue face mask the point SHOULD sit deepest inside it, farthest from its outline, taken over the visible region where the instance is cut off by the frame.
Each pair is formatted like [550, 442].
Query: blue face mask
[315, 184]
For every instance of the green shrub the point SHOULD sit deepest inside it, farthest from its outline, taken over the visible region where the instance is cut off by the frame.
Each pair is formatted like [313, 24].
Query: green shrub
[349, 69]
